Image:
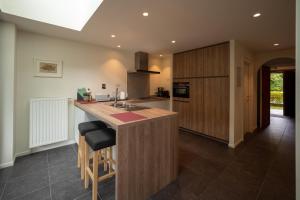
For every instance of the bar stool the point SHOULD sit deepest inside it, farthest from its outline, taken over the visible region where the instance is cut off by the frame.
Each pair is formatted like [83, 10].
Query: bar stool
[98, 140]
[83, 129]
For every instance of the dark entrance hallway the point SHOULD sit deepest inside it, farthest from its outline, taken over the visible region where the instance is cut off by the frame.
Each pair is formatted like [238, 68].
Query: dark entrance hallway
[265, 86]
[260, 168]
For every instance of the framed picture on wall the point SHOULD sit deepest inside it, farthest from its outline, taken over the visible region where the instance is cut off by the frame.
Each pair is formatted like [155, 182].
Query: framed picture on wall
[48, 68]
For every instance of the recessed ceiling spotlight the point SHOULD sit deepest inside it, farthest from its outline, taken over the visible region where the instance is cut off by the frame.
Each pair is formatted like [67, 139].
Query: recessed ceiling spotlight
[113, 36]
[257, 15]
[119, 46]
[276, 44]
[173, 41]
[160, 55]
[145, 14]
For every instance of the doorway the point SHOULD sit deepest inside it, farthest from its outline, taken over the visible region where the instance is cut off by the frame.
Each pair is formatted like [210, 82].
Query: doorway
[276, 93]
[276, 90]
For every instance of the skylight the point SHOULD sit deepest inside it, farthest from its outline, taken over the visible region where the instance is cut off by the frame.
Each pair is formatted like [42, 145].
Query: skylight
[72, 14]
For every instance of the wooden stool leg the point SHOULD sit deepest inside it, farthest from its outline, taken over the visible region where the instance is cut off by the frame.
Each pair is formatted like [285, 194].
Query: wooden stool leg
[105, 159]
[83, 144]
[86, 166]
[78, 152]
[110, 159]
[95, 174]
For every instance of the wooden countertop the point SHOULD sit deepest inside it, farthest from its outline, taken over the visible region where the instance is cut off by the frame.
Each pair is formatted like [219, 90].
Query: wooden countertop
[103, 111]
[148, 99]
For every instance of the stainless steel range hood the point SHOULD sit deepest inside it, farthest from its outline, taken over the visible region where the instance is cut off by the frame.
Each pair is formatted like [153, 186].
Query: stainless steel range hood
[141, 63]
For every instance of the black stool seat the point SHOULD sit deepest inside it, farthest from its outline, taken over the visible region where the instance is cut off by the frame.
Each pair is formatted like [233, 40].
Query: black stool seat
[90, 126]
[100, 139]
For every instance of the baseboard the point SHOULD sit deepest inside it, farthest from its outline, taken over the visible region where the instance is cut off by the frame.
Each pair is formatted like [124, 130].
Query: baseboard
[24, 153]
[231, 145]
[44, 148]
[52, 146]
[35, 150]
[203, 135]
[8, 164]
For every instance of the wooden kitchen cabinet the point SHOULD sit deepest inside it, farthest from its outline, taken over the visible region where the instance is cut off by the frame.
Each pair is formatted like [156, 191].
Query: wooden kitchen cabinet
[191, 110]
[178, 66]
[197, 105]
[216, 60]
[209, 61]
[207, 109]
[182, 107]
[185, 64]
[207, 71]
[216, 107]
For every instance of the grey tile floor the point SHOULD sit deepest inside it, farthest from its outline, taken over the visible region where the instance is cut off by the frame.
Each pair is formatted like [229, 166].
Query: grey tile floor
[48, 175]
[262, 168]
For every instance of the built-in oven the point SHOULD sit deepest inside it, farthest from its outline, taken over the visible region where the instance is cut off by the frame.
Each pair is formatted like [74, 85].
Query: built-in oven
[181, 89]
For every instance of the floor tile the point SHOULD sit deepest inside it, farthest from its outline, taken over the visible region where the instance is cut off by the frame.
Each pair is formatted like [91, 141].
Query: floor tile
[174, 192]
[232, 186]
[29, 164]
[75, 148]
[106, 190]
[64, 171]
[274, 189]
[43, 194]
[2, 187]
[204, 166]
[68, 189]
[87, 196]
[61, 155]
[5, 173]
[193, 183]
[22, 185]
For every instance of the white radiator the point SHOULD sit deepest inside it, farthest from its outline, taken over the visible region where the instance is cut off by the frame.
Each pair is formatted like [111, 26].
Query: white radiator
[48, 121]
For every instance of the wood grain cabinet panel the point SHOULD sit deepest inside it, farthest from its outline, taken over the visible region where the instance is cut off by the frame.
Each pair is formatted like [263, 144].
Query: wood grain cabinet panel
[216, 107]
[199, 69]
[216, 60]
[190, 63]
[185, 64]
[191, 111]
[196, 109]
[182, 107]
[207, 71]
[178, 65]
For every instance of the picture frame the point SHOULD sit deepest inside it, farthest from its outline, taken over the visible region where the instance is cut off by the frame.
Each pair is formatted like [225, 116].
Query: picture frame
[48, 68]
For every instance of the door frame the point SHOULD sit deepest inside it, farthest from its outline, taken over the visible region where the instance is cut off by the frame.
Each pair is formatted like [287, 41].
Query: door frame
[251, 104]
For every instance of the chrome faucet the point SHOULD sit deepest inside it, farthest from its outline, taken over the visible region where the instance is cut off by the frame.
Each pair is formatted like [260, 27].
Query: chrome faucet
[116, 96]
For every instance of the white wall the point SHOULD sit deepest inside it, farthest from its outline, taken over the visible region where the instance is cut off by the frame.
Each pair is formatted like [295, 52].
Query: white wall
[7, 74]
[238, 55]
[298, 101]
[83, 66]
[263, 57]
[164, 66]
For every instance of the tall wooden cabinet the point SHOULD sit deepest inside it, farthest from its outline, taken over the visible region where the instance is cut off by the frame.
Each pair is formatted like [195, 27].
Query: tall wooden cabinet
[216, 60]
[185, 64]
[207, 72]
[216, 107]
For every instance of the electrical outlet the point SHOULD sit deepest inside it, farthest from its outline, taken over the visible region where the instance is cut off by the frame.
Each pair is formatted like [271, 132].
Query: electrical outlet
[103, 86]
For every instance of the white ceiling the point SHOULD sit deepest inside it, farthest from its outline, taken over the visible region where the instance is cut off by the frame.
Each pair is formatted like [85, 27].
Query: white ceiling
[192, 23]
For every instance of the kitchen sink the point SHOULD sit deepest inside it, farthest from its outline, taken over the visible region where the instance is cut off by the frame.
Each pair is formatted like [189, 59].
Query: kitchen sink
[129, 107]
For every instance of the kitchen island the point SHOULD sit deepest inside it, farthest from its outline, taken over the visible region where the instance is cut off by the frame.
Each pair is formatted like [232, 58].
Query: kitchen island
[146, 149]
